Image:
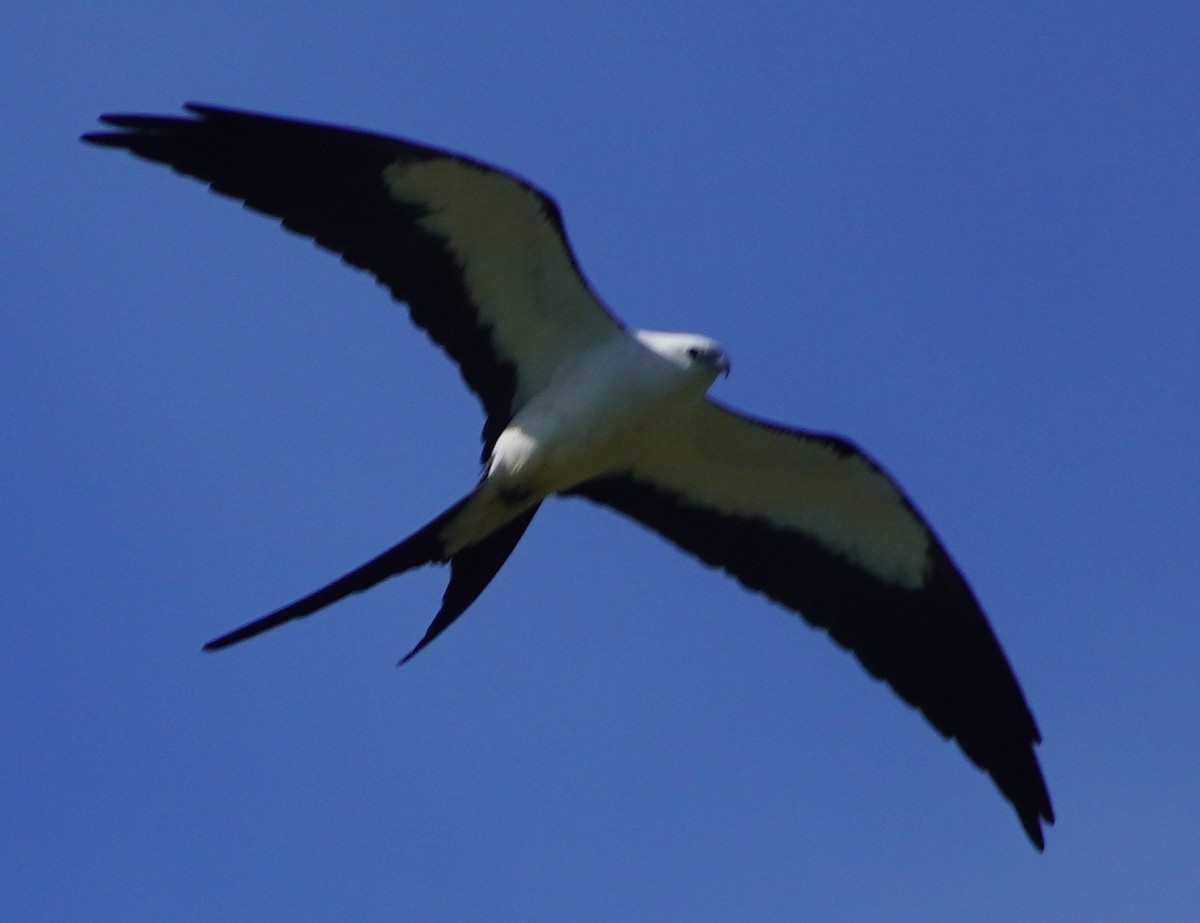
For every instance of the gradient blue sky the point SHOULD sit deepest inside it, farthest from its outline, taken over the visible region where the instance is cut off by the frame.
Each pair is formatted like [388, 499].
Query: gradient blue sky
[966, 235]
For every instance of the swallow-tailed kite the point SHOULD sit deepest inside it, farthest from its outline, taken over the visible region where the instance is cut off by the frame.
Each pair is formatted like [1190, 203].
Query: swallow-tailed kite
[577, 404]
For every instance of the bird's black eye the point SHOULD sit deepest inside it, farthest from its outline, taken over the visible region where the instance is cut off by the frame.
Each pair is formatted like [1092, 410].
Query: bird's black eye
[693, 352]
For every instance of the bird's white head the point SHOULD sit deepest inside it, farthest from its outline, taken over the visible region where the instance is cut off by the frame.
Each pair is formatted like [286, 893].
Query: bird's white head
[689, 352]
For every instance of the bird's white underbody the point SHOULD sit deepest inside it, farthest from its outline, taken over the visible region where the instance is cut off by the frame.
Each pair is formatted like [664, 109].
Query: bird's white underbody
[601, 411]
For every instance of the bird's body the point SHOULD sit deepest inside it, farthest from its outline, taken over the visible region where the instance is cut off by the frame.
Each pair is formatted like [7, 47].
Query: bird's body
[602, 411]
[578, 405]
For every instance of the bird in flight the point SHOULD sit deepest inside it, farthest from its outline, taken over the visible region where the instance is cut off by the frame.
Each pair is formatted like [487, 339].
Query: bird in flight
[578, 404]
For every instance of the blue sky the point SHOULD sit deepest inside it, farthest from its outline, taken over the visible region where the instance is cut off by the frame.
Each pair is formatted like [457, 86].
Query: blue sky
[965, 235]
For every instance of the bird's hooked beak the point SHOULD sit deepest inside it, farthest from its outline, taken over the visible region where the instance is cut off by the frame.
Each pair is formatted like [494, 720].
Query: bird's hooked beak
[715, 358]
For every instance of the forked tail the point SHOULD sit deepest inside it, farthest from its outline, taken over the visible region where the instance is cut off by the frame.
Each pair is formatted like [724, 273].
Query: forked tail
[471, 570]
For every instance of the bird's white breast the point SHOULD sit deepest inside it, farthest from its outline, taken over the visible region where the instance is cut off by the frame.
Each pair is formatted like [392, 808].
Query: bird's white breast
[597, 414]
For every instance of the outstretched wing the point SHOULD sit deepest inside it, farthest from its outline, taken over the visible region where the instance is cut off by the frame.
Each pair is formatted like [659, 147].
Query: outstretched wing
[479, 255]
[812, 523]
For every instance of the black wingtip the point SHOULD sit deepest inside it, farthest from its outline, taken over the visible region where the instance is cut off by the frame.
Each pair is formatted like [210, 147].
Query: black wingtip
[1034, 812]
[102, 138]
[1033, 829]
[129, 125]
